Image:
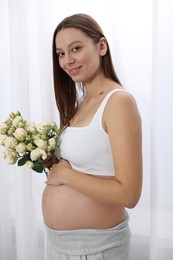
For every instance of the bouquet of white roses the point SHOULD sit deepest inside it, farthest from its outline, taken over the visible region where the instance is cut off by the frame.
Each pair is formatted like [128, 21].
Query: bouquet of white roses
[29, 143]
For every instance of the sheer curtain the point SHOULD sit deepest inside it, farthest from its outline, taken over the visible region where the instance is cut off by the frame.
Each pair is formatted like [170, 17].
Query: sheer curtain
[141, 38]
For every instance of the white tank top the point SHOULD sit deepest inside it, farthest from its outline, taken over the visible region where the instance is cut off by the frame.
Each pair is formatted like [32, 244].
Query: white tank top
[88, 148]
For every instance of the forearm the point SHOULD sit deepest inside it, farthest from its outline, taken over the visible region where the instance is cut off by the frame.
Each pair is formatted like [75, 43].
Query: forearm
[109, 191]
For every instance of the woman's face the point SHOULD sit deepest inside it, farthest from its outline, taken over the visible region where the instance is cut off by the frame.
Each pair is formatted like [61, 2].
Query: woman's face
[78, 55]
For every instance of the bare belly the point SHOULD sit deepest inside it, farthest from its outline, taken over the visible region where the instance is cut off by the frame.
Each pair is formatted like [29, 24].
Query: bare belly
[64, 208]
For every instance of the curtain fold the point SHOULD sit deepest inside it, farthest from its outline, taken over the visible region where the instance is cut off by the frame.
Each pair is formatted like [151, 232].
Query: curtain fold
[162, 127]
[141, 39]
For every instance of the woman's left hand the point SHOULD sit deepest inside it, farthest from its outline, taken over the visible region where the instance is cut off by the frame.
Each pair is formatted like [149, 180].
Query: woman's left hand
[57, 173]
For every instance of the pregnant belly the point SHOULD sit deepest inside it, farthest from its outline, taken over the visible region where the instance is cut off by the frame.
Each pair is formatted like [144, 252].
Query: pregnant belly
[64, 208]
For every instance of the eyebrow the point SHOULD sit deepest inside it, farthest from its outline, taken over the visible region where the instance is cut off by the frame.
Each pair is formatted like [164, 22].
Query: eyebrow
[74, 42]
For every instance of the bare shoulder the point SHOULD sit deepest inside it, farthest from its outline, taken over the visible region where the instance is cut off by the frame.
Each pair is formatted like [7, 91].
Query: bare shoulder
[121, 100]
[121, 106]
[122, 96]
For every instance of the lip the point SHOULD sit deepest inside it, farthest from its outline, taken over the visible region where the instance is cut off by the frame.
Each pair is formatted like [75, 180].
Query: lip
[74, 71]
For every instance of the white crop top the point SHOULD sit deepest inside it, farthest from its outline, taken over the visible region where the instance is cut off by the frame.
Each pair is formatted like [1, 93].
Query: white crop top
[88, 148]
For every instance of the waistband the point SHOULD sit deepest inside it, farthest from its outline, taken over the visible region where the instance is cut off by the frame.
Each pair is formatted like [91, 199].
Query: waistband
[88, 241]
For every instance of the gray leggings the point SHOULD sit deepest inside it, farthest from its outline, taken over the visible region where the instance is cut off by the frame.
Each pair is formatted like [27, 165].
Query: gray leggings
[89, 244]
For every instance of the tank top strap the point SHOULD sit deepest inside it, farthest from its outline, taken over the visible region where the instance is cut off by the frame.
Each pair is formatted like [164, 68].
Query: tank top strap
[99, 113]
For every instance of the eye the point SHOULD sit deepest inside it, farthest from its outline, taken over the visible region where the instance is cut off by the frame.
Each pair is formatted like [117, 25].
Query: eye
[60, 54]
[75, 49]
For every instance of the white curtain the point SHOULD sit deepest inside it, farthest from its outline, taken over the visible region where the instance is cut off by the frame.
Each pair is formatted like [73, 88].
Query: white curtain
[140, 33]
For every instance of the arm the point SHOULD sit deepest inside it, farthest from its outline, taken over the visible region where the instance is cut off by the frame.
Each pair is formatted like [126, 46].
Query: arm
[122, 122]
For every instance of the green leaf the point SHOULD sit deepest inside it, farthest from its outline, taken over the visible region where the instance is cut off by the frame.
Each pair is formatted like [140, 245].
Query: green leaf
[22, 161]
[38, 166]
[39, 161]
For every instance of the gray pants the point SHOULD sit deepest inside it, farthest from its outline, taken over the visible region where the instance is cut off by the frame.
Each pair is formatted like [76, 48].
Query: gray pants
[89, 244]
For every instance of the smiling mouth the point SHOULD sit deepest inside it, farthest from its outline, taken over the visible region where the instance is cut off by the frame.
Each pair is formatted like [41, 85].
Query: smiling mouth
[74, 72]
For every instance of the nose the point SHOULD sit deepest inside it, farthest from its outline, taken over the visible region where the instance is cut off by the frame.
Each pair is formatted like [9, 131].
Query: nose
[69, 59]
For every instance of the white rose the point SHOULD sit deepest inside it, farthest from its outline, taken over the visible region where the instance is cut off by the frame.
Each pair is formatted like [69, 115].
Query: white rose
[2, 139]
[30, 127]
[3, 128]
[21, 148]
[10, 142]
[3, 125]
[42, 127]
[10, 156]
[36, 136]
[16, 120]
[37, 153]
[41, 144]
[52, 143]
[20, 134]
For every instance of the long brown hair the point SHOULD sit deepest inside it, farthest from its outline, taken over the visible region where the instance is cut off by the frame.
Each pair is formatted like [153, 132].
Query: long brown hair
[64, 86]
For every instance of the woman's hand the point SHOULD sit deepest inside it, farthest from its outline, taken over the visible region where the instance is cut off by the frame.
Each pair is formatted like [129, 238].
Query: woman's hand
[50, 161]
[57, 173]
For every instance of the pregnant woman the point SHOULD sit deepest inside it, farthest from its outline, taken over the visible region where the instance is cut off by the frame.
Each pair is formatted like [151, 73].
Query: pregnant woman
[99, 173]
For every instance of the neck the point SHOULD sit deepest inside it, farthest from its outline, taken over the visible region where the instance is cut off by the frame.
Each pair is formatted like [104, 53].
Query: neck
[97, 87]
[97, 92]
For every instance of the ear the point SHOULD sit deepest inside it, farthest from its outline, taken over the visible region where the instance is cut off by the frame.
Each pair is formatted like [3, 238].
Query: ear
[102, 46]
